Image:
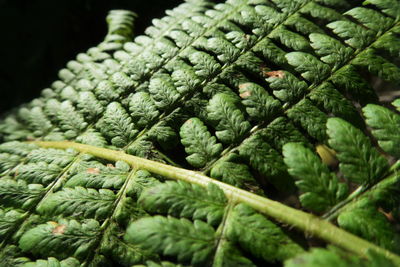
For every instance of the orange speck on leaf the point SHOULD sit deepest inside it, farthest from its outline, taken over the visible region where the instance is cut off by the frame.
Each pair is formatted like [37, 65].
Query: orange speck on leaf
[59, 230]
[245, 94]
[93, 170]
[276, 74]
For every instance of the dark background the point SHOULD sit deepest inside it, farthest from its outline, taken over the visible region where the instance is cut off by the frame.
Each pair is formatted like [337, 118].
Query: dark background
[38, 37]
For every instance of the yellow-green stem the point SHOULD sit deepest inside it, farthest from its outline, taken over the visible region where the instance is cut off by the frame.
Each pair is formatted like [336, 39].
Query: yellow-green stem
[306, 222]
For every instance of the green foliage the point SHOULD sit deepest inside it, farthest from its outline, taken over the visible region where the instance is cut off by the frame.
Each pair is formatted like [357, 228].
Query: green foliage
[365, 221]
[385, 125]
[61, 239]
[79, 202]
[185, 200]
[320, 188]
[230, 122]
[116, 125]
[308, 66]
[17, 193]
[359, 160]
[192, 240]
[259, 236]
[198, 142]
[53, 262]
[7, 220]
[242, 91]
[100, 176]
[142, 109]
[229, 171]
[38, 173]
[259, 105]
[334, 257]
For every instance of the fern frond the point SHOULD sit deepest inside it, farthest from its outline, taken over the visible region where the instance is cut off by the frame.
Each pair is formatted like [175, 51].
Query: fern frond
[198, 142]
[78, 202]
[259, 236]
[320, 188]
[61, 239]
[236, 81]
[385, 125]
[53, 262]
[100, 176]
[192, 241]
[185, 200]
[359, 161]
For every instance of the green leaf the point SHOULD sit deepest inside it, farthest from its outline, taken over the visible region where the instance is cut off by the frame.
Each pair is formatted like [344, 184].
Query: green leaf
[17, 148]
[396, 104]
[371, 19]
[115, 248]
[266, 160]
[53, 262]
[378, 65]
[331, 51]
[70, 121]
[259, 104]
[100, 176]
[230, 122]
[389, 7]
[228, 254]
[230, 171]
[38, 173]
[122, 81]
[8, 219]
[8, 161]
[204, 64]
[182, 199]
[89, 105]
[327, 98]
[139, 182]
[389, 42]
[359, 161]
[334, 257]
[159, 264]
[117, 125]
[353, 34]
[286, 87]
[10, 256]
[18, 194]
[52, 156]
[385, 126]
[350, 82]
[61, 239]
[224, 50]
[201, 146]
[321, 12]
[180, 238]
[290, 39]
[142, 109]
[281, 131]
[366, 221]
[259, 236]
[320, 188]
[309, 118]
[36, 120]
[92, 137]
[308, 66]
[79, 202]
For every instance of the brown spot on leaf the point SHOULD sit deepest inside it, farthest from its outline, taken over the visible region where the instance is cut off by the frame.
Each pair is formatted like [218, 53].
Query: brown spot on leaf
[276, 74]
[244, 85]
[93, 170]
[59, 230]
[245, 94]
[109, 165]
[388, 215]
